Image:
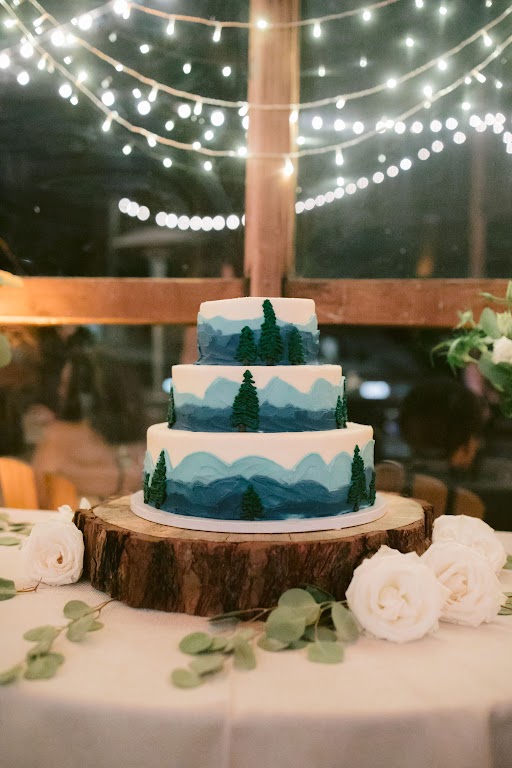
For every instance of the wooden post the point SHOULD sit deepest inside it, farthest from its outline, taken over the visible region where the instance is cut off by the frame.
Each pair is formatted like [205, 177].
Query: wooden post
[269, 191]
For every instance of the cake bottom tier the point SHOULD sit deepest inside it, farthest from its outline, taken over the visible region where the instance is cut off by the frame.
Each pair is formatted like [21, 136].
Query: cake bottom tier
[260, 476]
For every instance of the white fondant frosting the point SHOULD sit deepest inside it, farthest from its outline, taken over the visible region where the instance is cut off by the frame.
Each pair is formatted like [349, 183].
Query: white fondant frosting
[283, 448]
[195, 379]
[294, 311]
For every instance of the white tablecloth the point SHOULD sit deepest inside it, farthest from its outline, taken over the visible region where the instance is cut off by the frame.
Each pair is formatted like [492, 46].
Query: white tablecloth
[444, 701]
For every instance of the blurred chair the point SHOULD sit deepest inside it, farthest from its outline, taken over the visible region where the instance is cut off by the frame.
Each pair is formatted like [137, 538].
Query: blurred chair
[17, 484]
[394, 477]
[58, 490]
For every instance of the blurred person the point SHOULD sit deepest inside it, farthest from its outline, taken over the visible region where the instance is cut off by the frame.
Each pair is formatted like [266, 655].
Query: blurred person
[97, 439]
[442, 422]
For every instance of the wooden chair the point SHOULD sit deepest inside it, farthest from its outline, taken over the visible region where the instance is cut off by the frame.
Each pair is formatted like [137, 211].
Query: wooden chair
[58, 490]
[18, 487]
[391, 476]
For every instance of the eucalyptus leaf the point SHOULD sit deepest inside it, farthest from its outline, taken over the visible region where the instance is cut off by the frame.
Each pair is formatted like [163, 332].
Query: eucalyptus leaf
[324, 634]
[185, 678]
[7, 589]
[11, 675]
[318, 594]
[5, 351]
[41, 648]
[508, 564]
[297, 645]
[75, 609]
[95, 626]
[45, 632]
[43, 667]
[244, 634]
[206, 665]
[344, 622]
[218, 644]
[285, 624]
[301, 601]
[4, 516]
[488, 323]
[271, 644]
[243, 656]
[9, 541]
[505, 611]
[196, 642]
[325, 653]
[77, 630]
[495, 374]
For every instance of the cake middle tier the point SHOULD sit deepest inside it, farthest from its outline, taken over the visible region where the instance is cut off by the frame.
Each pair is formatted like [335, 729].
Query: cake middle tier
[290, 398]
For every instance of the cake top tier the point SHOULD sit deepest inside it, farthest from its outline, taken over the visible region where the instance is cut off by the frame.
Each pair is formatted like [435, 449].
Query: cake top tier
[292, 311]
[220, 325]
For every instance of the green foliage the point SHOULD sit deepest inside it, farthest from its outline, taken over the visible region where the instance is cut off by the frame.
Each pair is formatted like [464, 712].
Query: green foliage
[506, 609]
[9, 541]
[252, 508]
[508, 564]
[247, 351]
[146, 490]
[158, 490]
[270, 348]
[246, 405]
[295, 348]
[171, 411]
[372, 491]
[305, 617]
[41, 661]
[7, 589]
[340, 412]
[357, 491]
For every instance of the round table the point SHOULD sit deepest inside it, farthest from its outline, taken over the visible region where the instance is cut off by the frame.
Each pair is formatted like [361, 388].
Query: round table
[443, 701]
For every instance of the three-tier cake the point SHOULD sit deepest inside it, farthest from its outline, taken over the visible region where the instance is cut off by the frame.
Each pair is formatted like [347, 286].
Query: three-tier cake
[257, 429]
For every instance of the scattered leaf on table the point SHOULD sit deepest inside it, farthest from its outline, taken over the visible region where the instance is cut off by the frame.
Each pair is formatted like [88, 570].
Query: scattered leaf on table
[77, 631]
[10, 675]
[9, 541]
[45, 632]
[43, 667]
[325, 653]
[196, 642]
[75, 609]
[285, 624]
[185, 678]
[7, 589]
[205, 665]
[346, 626]
[243, 657]
[301, 601]
[271, 644]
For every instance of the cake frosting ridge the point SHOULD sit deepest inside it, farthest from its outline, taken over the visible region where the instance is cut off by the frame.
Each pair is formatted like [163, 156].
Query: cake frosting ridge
[257, 429]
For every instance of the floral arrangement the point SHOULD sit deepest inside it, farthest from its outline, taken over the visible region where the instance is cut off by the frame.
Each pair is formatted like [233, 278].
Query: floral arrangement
[392, 596]
[486, 343]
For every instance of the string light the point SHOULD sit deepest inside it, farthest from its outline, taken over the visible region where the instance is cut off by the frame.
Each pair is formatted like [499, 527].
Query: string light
[170, 29]
[23, 78]
[144, 107]
[317, 30]
[217, 33]
[127, 149]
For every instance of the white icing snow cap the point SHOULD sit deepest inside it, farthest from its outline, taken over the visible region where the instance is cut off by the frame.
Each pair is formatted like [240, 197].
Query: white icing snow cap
[295, 311]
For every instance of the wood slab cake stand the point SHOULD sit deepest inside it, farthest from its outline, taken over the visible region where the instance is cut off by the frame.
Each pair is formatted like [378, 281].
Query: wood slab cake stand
[148, 565]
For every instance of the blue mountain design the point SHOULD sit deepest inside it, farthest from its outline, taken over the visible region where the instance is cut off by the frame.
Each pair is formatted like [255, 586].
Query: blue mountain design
[231, 327]
[196, 418]
[219, 348]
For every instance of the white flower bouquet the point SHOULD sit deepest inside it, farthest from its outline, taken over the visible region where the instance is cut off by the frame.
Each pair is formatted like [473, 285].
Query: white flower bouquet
[487, 343]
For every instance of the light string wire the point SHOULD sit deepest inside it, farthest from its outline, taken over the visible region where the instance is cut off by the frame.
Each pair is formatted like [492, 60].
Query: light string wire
[233, 221]
[255, 25]
[115, 117]
[280, 107]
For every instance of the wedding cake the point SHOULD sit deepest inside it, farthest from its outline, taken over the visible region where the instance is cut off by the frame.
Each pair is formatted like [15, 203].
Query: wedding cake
[257, 429]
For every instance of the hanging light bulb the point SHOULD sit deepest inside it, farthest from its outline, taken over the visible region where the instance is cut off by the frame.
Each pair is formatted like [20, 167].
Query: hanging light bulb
[217, 33]
[198, 107]
[288, 167]
[262, 24]
[367, 15]
[207, 165]
[127, 149]
[153, 94]
[106, 125]
[170, 27]
[5, 61]
[317, 29]
[321, 71]
[339, 159]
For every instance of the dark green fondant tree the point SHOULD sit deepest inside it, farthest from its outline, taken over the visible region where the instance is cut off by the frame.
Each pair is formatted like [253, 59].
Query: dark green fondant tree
[246, 407]
[171, 411]
[372, 492]
[146, 488]
[357, 491]
[252, 508]
[295, 348]
[340, 413]
[270, 347]
[247, 351]
[157, 494]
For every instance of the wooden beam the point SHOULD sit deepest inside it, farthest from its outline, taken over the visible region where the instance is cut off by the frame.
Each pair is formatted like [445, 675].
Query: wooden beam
[407, 303]
[269, 192]
[111, 301]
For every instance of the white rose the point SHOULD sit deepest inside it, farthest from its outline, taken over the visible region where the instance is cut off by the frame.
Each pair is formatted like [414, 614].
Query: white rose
[84, 503]
[504, 322]
[473, 533]
[502, 350]
[53, 553]
[64, 513]
[395, 596]
[475, 592]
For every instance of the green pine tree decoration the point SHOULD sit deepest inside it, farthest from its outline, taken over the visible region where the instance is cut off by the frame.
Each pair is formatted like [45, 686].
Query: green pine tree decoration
[357, 491]
[157, 494]
[246, 407]
[146, 489]
[171, 411]
[372, 492]
[295, 348]
[270, 348]
[340, 413]
[247, 351]
[252, 508]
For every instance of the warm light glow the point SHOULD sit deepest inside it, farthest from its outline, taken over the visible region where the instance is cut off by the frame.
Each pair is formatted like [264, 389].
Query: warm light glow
[262, 24]
[108, 98]
[196, 145]
[367, 15]
[409, 42]
[144, 48]
[405, 164]
[459, 137]
[82, 76]
[171, 27]
[317, 122]
[339, 157]
[442, 65]
[4, 61]
[169, 125]
[208, 135]
[217, 118]
[317, 29]
[391, 83]
[339, 125]
[466, 105]
[358, 127]
[167, 162]
[127, 149]
[487, 40]
[288, 167]
[65, 90]
[85, 22]
[443, 10]
[207, 165]
[217, 33]
[363, 62]
[23, 78]
[187, 68]
[184, 111]
[144, 107]
[27, 50]
[321, 71]
[226, 71]
[416, 127]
